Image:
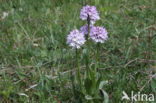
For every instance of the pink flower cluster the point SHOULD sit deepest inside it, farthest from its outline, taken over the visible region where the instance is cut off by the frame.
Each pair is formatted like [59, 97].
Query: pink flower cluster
[89, 11]
[98, 34]
[75, 39]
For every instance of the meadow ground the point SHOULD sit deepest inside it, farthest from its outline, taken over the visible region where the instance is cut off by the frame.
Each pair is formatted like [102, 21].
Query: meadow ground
[35, 61]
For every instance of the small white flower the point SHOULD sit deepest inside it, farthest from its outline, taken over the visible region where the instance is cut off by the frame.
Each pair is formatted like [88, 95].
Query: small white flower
[5, 14]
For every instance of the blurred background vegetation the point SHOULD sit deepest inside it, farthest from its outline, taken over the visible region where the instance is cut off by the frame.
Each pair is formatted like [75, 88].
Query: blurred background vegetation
[35, 62]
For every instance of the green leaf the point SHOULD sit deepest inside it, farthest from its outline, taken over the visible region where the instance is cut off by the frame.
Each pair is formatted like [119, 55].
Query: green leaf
[153, 85]
[99, 79]
[6, 93]
[43, 53]
[88, 97]
[102, 83]
[88, 85]
[97, 2]
[106, 97]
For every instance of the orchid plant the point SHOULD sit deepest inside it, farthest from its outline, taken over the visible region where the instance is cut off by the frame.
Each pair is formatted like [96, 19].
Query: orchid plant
[88, 87]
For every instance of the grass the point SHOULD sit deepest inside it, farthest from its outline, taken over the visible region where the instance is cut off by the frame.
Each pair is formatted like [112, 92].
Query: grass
[35, 61]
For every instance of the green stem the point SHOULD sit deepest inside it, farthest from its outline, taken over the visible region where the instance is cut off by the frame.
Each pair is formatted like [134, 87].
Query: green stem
[97, 57]
[78, 66]
[88, 48]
